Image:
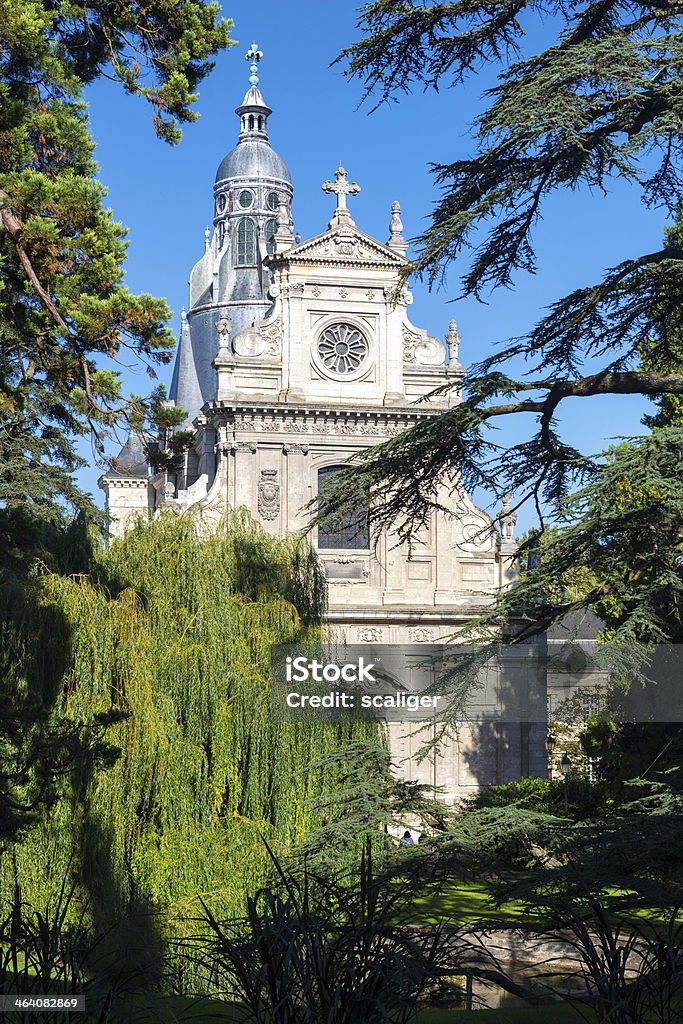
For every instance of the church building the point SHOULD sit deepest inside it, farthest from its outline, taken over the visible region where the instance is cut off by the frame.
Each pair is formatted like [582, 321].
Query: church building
[293, 356]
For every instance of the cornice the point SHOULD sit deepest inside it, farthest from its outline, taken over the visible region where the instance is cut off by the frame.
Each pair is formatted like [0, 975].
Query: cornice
[441, 615]
[110, 479]
[329, 410]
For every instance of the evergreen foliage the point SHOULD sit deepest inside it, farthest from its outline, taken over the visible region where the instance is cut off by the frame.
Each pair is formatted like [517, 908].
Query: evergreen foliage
[361, 799]
[599, 102]
[544, 796]
[171, 633]
[627, 856]
[65, 314]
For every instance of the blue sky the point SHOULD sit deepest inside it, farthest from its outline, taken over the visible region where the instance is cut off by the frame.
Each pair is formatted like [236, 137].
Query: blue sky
[164, 194]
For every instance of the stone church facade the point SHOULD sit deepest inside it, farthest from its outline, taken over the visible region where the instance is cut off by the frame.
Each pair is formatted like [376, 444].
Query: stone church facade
[293, 356]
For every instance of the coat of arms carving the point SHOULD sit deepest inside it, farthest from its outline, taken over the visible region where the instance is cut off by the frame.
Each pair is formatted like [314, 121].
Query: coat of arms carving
[269, 494]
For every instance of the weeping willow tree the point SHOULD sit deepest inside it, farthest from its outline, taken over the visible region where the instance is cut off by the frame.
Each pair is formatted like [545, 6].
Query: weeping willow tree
[171, 630]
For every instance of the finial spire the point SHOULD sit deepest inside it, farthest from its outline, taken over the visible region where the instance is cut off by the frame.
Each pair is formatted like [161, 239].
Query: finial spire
[253, 112]
[507, 517]
[396, 240]
[453, 341]
[254, 55]
[283, 238]
[342, 188]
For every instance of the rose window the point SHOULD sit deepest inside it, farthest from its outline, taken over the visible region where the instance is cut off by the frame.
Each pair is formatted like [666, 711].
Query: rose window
[342, 348]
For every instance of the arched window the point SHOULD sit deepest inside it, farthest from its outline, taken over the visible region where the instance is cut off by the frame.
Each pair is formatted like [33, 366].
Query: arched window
[245, 244]
[251, 122]
[269, 232]
[350, 533]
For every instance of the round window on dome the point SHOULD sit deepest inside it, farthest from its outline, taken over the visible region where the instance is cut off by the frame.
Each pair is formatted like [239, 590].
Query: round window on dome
[221, 203]
[342, 348]
[272, 200]
[245, 199]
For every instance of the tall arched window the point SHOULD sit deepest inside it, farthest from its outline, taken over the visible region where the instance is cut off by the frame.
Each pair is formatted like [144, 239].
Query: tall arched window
[352, 532]
[245, 244]
[269, 231]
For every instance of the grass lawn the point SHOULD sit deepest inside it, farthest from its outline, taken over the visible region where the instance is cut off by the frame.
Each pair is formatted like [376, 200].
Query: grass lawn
[461, 902]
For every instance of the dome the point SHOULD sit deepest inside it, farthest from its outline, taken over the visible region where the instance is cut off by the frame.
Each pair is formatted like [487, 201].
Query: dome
[253, 158]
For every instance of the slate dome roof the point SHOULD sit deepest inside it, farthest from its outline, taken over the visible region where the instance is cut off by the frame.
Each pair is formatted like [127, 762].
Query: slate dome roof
[253, 158]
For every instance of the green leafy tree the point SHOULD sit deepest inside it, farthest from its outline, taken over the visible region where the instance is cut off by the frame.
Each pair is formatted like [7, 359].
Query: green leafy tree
[167, 639]
[65, 315]
[38, 748]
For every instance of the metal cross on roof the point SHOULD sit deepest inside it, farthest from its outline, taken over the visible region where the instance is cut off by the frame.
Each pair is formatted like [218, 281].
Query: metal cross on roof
[254, 55]
[342, 188]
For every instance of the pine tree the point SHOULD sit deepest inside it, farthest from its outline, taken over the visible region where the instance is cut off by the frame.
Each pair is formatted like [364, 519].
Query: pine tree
[65, 314]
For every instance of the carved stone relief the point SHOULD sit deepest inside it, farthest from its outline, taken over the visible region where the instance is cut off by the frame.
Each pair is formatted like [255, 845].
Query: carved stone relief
[293, 289]
[321, 425]
[346, 246]
[273, 335]
[249, 342]
[421, 350]
[421, 635]
[269, 494]
[400, 297]
[255, 341]
[370, 635]
[477, 534]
